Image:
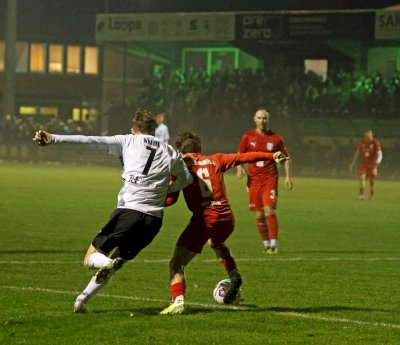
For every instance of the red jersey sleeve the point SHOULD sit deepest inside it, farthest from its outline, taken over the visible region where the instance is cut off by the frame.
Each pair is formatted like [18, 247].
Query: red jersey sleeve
[228, 161]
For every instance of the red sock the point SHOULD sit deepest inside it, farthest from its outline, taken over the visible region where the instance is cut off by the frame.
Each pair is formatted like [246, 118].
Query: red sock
[272, 223]
[262, 229]
[177, 289]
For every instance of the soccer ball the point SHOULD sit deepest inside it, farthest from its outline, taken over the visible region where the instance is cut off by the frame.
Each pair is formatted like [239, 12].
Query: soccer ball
[221, 289]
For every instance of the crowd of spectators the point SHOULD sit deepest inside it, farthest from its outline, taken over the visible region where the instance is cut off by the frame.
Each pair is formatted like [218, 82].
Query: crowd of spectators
[220, 106]
[195, 99]
[283, 89]
[15, 129]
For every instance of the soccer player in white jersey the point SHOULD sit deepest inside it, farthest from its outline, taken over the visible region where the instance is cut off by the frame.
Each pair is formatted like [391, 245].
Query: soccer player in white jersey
[148, 165]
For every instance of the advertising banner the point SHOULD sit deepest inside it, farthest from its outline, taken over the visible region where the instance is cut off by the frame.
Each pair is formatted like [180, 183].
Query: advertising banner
[303, 26]
[387, 25]
[165, 27]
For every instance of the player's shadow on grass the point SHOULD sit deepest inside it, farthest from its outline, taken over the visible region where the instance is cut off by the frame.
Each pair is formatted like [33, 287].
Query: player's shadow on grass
[132, 312]
[151, 311]
[243, 308]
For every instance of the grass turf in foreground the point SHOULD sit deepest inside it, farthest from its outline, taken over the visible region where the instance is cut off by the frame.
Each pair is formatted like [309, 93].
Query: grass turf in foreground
[334, 280]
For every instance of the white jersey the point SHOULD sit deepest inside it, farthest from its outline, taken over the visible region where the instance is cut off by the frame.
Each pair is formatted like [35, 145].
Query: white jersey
[162, 132]
[147, 165]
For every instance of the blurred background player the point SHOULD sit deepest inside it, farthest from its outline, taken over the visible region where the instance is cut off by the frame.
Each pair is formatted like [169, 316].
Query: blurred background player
[263, 176]
[162, 132]
[370, 153]
[212, 217]
[147, 166]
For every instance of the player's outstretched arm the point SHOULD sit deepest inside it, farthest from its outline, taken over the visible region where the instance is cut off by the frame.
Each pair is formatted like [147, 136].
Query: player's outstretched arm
[42, 138]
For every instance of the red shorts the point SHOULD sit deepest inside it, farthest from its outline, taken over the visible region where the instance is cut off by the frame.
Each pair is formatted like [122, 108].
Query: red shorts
[263, 195]
[197, 233]
[368, 170]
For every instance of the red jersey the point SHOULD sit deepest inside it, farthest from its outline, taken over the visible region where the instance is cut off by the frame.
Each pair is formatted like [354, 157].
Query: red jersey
[206, 195]
[368, 149]
[269, 142]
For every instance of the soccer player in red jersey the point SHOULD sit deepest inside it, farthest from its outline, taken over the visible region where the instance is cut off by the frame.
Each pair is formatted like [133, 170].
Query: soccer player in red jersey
[212, 218]
[370, 153]
[262, 180]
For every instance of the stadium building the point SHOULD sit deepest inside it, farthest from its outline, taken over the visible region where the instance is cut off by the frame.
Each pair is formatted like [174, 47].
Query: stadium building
[87, 63]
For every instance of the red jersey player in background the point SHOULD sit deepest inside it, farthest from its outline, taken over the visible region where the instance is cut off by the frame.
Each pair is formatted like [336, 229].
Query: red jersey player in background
[370, 153]
[263, 178]
[212, 219]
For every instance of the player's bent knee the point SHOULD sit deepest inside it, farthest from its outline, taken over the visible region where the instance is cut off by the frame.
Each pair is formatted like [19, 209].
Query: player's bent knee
[222, 251]
[85, 262]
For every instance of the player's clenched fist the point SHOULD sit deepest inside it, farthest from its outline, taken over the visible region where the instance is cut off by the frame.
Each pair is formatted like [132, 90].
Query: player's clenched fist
[42, 137]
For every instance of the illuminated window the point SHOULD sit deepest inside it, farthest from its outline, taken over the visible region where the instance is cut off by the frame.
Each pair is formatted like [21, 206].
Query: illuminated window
[84, 114]
[56, 52]
[91, 60]
[52, 111]
[319, 67]
[73, 59]
[76, 114]
[22, 57]
[37, 57]
[26, 110]
[37, 110]
[2, 55]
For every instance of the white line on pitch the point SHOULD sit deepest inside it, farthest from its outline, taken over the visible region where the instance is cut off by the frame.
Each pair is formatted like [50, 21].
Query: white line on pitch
[61, 292]
[341, 320]
[216, 307]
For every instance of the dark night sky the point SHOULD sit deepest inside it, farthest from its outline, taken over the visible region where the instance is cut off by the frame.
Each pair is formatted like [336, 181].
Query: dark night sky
[241, 5]
[58, 19]
[75, 6]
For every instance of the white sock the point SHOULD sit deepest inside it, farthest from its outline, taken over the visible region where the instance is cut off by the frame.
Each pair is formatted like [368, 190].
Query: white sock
[91, 289]
[274, 243]
[97, 260]
[180, 298]
[267, 244]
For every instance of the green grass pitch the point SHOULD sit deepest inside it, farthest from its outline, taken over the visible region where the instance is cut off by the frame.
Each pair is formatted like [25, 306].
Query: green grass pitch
[335, 280]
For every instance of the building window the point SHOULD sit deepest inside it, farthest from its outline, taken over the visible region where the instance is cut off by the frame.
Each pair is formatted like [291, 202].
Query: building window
[48, 111]
[74, 59]
[37, 57]
[27, 110]
[84, 114]
[56, 52]
[91, 60]
[2, 55]
[22, 57]
[37, 110]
